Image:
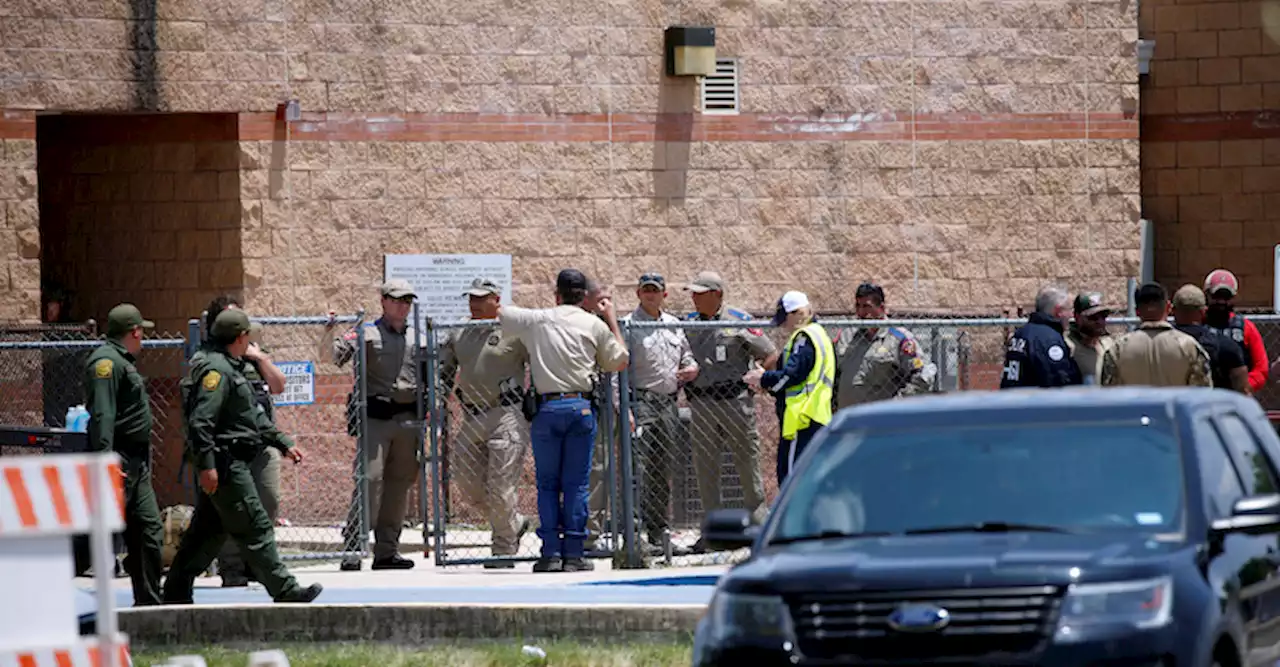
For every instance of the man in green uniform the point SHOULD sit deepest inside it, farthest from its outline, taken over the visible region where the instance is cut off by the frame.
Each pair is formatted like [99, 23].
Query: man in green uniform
[120, 421]
[226, 430]
[266, 379]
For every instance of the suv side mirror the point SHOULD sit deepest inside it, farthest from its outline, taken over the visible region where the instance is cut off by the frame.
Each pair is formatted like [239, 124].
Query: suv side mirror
[728, 529]
[1252, 515]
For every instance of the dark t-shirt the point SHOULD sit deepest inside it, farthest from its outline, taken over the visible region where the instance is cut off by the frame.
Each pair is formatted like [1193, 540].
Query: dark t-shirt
[1224, 354]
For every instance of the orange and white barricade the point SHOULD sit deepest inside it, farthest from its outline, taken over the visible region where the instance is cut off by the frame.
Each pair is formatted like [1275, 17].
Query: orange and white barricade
[44, 500]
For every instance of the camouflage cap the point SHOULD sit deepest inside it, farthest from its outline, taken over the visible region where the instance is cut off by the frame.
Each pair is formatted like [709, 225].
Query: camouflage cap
[230, 324]
[1090, 303]
[1189, 296]
[482, 287]
[123, 318]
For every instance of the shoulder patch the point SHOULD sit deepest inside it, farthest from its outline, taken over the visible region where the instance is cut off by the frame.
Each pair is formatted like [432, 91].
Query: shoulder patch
[908, 347]
[102, 369]
[494, 339]
[211, 380]
[737, 314]
[898, 333]
[691, 316]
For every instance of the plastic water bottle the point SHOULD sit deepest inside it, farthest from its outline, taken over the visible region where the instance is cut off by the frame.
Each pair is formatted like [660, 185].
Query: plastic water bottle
[78, 419]
[70, 420]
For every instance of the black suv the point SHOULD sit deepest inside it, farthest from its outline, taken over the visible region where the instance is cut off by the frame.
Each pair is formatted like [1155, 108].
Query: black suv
[1028, 527]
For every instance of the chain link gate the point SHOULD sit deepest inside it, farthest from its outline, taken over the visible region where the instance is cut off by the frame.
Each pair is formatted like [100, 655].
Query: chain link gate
[323, 501]
[483, 488]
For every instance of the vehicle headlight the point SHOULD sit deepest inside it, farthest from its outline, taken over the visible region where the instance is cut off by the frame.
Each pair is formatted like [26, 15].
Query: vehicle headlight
[760, 619]
[1142, 604]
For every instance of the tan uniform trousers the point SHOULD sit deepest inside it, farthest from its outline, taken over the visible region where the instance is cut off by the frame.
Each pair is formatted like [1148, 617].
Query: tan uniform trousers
[487, 467]
[392, 467]
[717, 424]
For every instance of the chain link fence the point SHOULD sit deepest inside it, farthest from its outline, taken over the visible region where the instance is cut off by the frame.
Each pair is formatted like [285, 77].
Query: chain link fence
[42, 376]
[660, 458]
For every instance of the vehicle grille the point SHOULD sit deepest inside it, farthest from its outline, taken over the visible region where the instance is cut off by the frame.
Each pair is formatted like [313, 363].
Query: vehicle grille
[986, 623]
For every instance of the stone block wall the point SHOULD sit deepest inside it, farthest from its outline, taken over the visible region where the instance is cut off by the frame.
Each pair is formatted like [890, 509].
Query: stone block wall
[1211, 143]
[144, 211]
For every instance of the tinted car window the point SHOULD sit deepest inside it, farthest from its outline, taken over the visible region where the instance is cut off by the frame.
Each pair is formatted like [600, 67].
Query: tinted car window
[1218, 475]
[1079, 476]
[1257, 476]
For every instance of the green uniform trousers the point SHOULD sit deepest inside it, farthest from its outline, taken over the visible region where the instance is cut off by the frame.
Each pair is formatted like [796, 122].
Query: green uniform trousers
[265, 469]
[233, 510]
[143, 534]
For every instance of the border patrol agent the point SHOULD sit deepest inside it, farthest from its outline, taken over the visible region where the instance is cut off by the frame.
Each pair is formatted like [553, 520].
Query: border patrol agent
[1037, 354]
[1087, 337]
[723, 411]
[805, 385]
[881, 363]
[565, 344]
[392, 374]
[1156, 354]
[266, 380]
[120, 421]
[494, 435]
[225, 430]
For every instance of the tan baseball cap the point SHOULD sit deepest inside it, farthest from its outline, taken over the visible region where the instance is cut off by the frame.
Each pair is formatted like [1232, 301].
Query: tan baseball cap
[707, 281]
[1189, 296]
[397, 289]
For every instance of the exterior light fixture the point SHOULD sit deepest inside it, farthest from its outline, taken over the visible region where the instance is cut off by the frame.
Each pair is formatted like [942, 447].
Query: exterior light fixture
[690, 50]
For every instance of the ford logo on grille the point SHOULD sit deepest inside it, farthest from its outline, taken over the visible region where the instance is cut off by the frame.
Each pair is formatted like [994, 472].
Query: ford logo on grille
[919, 618]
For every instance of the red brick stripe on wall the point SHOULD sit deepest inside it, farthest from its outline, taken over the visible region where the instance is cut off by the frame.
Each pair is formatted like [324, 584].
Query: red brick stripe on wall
[689, 127]
[17, 124]
[1212, 126]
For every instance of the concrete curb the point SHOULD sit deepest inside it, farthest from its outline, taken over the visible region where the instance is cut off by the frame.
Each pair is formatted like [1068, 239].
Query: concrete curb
[405, 624]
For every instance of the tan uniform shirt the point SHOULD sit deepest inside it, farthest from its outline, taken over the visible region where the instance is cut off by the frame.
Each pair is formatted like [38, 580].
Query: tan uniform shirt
[885, 365]
[1089, 357]
[485, 363]
[1156, 355]
[392, 371]
[659, 354]
[724, 355]
[565, 343]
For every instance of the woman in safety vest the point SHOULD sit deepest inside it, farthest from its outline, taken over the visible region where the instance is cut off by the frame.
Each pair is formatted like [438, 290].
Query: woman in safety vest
[804, 385]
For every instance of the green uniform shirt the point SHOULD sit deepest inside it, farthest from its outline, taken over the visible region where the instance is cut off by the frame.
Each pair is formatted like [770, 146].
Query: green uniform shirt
[116, 396]
[224, 414]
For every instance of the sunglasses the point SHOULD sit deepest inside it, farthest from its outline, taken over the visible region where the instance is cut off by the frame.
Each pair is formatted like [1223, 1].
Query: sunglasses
[652, 277]
[403, 299]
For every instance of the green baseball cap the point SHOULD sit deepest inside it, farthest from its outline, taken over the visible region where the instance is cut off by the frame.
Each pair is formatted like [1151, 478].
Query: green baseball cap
[123, 318]
[230, 323]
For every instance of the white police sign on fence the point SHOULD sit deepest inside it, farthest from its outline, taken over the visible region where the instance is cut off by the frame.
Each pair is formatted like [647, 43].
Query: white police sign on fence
[300, 383]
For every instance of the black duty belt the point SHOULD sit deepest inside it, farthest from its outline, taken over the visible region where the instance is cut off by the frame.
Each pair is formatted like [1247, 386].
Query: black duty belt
[381, 407]
[565, 394]
[719, 390]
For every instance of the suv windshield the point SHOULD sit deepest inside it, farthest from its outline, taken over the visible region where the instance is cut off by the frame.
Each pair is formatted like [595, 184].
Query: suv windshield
[1072, 477]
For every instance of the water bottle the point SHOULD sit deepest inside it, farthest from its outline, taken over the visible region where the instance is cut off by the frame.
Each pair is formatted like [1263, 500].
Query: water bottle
[80, 421]
[69, 422]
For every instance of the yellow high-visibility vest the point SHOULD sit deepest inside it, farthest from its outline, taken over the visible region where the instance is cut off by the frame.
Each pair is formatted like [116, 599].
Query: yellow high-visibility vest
[811, 402]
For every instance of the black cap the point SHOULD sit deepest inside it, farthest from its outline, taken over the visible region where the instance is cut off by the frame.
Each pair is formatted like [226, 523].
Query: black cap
[571, 279]
[1090, 303]
[1149, 294]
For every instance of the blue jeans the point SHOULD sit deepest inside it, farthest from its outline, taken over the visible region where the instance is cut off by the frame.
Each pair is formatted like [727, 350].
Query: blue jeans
[563, 434]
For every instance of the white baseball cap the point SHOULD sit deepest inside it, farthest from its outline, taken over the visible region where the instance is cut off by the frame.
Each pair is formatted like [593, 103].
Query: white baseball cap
[789, 303]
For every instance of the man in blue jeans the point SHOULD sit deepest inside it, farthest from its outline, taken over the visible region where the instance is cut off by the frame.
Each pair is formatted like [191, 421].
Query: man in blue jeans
[565, 344]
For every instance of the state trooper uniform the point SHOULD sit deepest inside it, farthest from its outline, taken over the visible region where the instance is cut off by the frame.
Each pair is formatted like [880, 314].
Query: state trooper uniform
[879, 364]
[392, 376]
[723, 410]
[494, 435]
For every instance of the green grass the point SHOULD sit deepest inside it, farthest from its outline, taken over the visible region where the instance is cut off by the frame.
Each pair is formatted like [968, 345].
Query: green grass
[451, 654]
